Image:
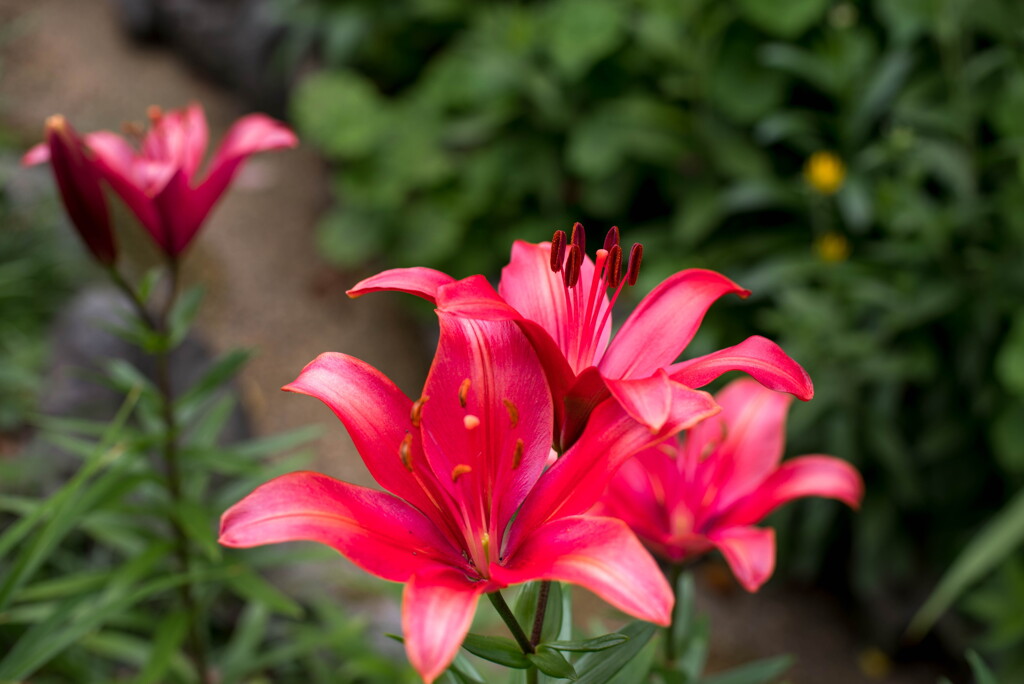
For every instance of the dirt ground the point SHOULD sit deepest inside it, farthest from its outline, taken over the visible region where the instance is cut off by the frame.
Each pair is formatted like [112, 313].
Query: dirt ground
[267, 288]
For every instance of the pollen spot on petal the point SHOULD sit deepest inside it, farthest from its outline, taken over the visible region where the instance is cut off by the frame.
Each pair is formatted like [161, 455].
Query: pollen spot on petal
[416, 413]
[513, 412]
[405, 451]
[517, 454]
[470, 421]
[460, 470]
[464, 392]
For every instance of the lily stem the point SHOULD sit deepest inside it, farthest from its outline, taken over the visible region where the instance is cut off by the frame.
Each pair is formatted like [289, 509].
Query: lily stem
[500, 605]
[542, 609]
[675, 571]
[159, 326]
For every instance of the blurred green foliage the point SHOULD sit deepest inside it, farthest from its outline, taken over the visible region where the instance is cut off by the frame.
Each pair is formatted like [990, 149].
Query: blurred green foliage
[36, 272]
[892, 271]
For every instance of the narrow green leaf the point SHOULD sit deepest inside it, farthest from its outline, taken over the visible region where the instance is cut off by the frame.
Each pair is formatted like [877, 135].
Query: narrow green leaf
[61, 511]
[600, 643]
[1000, 536]
[552, 663]
[199, 526]
[184, 312]
[223, 370]
[982, 673]
[80, 615]
[167, 640]
[251, 586]
[498, 650]
[64, 586]
[245, 642]
[599, 667]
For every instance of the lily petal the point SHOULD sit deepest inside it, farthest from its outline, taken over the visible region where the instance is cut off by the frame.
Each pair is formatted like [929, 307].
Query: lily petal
[474, 297]
[747, 439]
[419, 281]
[530, 286]
[378, 532]
[247, 136]
[38, 154]
[796, 478]
[437, 611]
[115, 158]
[377, 416]
[578, 479]
[78, 179]
[664, 323]
[647, 400]
[757, 356]
[598, 553]
[488, 422]
[749, 551]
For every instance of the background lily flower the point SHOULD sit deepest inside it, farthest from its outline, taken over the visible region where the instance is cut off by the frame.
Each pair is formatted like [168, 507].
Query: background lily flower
[161, 183]
[471, 507]
[707, 489]
[79, 181]
[560, 298]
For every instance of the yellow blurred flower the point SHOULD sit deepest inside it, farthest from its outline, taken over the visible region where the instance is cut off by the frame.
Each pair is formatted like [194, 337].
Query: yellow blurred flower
[825, 172]
[832, 247]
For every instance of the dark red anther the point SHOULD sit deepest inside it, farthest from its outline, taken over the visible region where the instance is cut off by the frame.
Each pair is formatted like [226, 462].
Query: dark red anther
[571, 274]
[579, 237]
[611, 239]
[636, 255]
[557, 250]
[613, 266]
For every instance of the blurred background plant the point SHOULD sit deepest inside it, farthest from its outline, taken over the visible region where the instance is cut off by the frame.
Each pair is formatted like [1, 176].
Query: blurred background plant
[858, 165]
[36, 275]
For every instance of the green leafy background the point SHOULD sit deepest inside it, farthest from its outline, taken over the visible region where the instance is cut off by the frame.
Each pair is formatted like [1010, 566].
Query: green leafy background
[455, 127]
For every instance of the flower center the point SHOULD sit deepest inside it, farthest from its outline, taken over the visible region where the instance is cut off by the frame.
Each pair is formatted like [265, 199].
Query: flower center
[587, 311]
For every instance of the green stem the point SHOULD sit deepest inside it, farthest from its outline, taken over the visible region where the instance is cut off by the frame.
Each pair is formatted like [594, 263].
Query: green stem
[542, 609]
[171, 459]
[133, 297]
[675, 571]
[500, 605]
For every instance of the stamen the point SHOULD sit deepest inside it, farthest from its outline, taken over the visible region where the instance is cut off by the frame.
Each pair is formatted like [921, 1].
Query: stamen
[613, 267]
[154, 113]
[612, 238]
[470, 421]
[513, 412]
[464, 392]
[636, 255]
[573, 263]
[416, 413]
[485, 542]
[460, 470]
[579, 237]
[517, 454]
[405, 451]
[557, 250]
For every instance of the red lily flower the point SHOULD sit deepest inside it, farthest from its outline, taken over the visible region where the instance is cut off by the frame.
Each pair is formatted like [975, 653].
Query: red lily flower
[161, 182]
[79, 183]
[559, 297]
[708, 489]
[473, 507]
